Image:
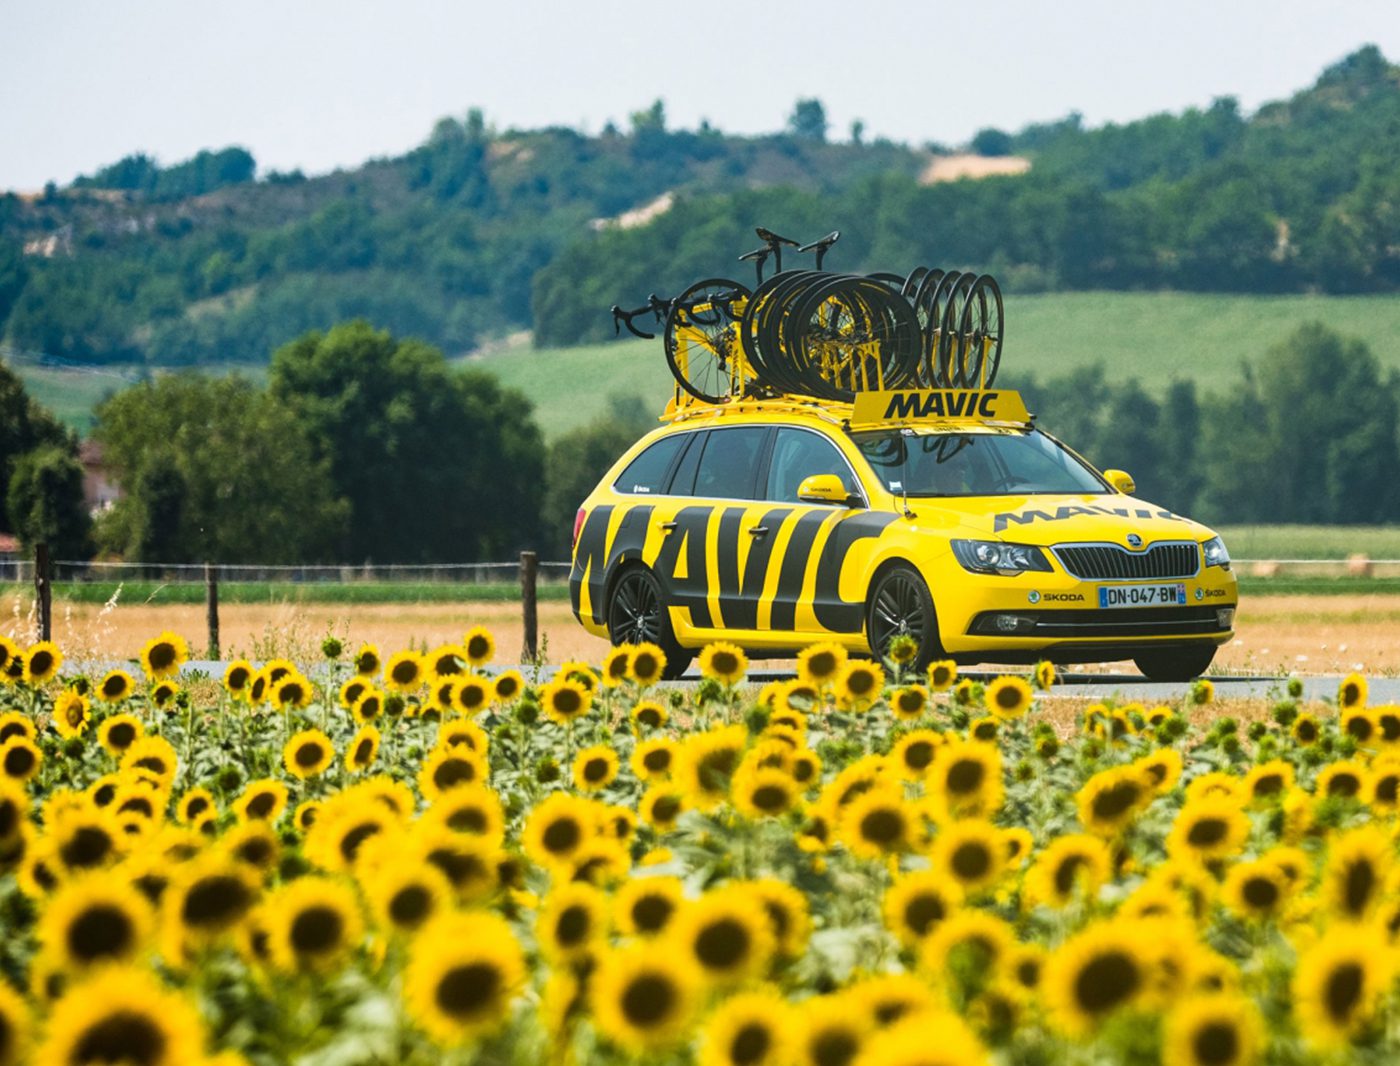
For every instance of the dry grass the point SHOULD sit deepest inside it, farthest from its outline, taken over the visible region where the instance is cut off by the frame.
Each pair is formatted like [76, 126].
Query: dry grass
[1276, 634]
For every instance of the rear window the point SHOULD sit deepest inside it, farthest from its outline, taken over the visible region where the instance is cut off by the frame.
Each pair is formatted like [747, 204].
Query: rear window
[729, 465]
[647, 473]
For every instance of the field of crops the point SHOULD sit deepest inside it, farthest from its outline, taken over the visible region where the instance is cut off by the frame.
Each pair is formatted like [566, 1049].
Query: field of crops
[422, 858]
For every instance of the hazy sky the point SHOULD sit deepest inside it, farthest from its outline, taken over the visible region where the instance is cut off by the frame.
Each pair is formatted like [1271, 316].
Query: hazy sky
[319, 84]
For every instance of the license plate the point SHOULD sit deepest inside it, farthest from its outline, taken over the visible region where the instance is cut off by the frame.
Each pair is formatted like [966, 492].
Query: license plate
[1142, 595]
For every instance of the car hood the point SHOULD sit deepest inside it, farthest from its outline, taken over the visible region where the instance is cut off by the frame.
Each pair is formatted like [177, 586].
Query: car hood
[1047, 520]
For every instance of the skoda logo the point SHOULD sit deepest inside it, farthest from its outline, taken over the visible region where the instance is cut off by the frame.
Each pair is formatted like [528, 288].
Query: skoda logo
[1200, 594]
[1033, 596]
[1134, 541]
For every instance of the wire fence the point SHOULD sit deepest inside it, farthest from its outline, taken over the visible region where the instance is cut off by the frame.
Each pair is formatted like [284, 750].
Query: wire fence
[73, 571]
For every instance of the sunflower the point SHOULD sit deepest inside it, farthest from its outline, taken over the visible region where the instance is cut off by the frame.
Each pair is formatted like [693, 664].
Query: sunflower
[647, 664]
[207, 898]
[119, 732]
[308, 754]
[16, 724]
[1345, 779]
[404, 897]
[95, 920]
[122, 1014]
[556, 828]
[722, 935]
[617, 666]
[304, 817]
[595, 768]
[71, 714]
[1072, 867]
[292, 691]
[102, 791]
[312, 923]
[463, 734]
[1382, 793]
[405, 671]
[1212, 1030]
[909, 703]
[115, 686]
[723, 662]
[644, 906]
[707, 764]
[649, 714]
[362, 750]
[820, 665]
[660, 807]
[152, 755]
[878, 823]
[369, 706]
[1359, 864]
[1352, 692]
[970, 852]
[967, 941]
[1360, 724]
[163, 693]
[908, 1042]
[194, 804]
[1112, 798]
[763, 792]
[1097, 972]
[565, 700]
[832, 1030]
[367, 661]
[448, 768]
[471, 694]
[445, 661]
[1306, 730]
[463, 974]
[1256, 890]
[652, 760]
[20, 758]
[1163, 769]
[942, 675]
[985, 729]
[1268, 781]
[8, 650]
[966, 778]
[440, 694]
[342, 828]
[238, 675]
[805, 766]
[644, 1000]
[1338, 984]
[479, 645]
[42, 662]
[472, 809]
[13, 670]
[1008, 698]
[507, 686]
[889, 998]
[254, 844]
[789, 917]
[1209, 828]
[750, 1029]
[572, 921]
[262, 800]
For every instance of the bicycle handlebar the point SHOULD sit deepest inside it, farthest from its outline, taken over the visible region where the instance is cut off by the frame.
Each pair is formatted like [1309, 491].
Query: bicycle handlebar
[655, 305]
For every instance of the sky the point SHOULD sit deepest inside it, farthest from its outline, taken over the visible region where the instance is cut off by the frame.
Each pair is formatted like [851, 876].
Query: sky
[321, 84]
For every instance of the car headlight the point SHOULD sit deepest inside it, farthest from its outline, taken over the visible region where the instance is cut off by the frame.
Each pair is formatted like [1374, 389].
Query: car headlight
[1216, 553]
[994, 557]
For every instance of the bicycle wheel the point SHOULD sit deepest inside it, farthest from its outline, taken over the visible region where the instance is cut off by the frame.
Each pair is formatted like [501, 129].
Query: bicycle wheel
[760, 345]
[702, 340]
[931, 302]
[979, 336]
[948, 371]
[912, 282]
[852, 335]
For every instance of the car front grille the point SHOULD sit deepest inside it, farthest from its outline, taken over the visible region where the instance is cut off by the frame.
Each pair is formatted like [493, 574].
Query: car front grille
[1109, 562]
[1081, 624]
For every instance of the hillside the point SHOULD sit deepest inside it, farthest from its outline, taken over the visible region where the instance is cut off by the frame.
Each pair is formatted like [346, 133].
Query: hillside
[478, 233]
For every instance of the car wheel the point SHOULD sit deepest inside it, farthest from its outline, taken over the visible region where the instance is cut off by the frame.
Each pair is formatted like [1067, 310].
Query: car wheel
[637, 614]
[1175, 664]
[900, 605]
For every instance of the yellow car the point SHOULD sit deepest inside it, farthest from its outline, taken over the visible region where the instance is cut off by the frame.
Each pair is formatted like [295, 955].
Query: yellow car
[942, 514]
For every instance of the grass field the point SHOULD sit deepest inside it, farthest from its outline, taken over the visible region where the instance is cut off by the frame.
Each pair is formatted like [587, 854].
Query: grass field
[1312, 542]
[1149, 336]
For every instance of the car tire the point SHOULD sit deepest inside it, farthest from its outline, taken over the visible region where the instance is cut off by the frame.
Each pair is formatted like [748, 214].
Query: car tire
[1175, 664]
[637, 614]
[899, 602]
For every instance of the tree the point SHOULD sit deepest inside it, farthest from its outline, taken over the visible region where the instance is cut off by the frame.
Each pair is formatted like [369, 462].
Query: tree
[215, 469]
[991, 142]
[24, 426]
[808, 120]
[436, 465]
[45, 503]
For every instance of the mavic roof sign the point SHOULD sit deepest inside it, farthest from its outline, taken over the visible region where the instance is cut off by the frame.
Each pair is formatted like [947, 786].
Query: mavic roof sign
[917, 405]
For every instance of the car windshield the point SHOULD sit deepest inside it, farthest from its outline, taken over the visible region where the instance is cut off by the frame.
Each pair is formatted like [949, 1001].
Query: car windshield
[974, 464]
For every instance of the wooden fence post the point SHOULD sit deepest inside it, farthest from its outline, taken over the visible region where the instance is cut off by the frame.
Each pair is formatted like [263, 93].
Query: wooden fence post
[43, 591]
[211, 606]
[529, 569]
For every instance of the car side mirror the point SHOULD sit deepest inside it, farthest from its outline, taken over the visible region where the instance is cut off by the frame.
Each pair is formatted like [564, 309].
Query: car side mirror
[824, 488]
[1120, 480]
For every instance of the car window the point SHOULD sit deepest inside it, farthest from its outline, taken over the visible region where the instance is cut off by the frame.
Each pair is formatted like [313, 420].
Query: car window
[798, 455]
[728, 468]
[647, 472]
[975, 464]
[683, 480]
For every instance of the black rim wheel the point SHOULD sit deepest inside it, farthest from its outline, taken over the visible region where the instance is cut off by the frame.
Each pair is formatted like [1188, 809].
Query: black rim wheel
[897, 610]
[634, 615]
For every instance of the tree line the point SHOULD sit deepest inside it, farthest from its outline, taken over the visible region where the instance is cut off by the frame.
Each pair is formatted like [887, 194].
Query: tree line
[362, 446]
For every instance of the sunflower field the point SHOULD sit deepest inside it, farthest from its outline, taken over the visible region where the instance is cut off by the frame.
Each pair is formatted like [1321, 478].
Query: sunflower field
[422, 858]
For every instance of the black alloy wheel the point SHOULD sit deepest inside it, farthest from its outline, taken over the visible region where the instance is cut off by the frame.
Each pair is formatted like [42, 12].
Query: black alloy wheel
[900, 605]
[637, 615]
